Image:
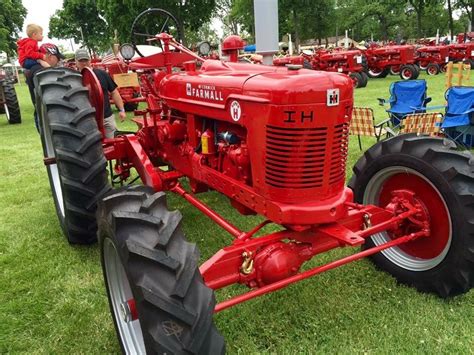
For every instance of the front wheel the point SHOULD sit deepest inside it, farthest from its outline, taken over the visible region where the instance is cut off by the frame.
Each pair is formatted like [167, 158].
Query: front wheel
[433, 69]
[357, 79]
[158, 299]
[441, 180]
[407, 72]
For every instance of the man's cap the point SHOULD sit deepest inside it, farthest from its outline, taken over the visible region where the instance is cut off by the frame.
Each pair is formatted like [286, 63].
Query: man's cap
[51, 49]
[82, 54]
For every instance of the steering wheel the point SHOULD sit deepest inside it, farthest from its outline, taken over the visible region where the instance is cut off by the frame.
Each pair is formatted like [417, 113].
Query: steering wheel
[152, 22]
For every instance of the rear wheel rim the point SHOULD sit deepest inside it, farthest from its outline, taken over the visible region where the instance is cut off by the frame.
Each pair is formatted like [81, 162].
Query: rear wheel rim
[120, 292]
[375, 72]
[7, 112]
[427, 252]
[53, 170]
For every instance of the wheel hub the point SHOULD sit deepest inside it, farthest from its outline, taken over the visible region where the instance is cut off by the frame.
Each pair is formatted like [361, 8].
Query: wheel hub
[388, 188]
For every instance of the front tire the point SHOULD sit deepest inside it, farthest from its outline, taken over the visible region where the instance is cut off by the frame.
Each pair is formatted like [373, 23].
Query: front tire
[407, 72]
[158, 299]
[442, 180]
[71, 140]
[433, 69]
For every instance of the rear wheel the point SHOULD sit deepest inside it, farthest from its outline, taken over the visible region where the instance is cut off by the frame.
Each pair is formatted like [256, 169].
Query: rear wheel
[433, 69]
[72, 143]
[11, 107]
[442, 183]
[157, 296]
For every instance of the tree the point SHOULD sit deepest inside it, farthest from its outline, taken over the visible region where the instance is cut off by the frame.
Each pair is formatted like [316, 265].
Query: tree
[82, 21]
[12, 16]
[191, 14]
[467, 6]
[381, 19]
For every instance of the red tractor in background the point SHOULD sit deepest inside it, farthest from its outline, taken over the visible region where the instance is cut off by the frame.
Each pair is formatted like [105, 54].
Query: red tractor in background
[433, 59]
[348, 62]
[274, 141]
[128, 81]
[462, 52]
[395, 59]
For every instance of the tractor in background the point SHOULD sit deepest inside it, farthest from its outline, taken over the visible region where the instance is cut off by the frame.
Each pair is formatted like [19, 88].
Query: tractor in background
[348, 62]
[8, 99]
[395, 59]
[433, 59]
[274, 141]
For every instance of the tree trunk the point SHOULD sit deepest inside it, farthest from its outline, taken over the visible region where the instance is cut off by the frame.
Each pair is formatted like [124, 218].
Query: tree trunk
[418, 23]
[296, 24]
[451, 25]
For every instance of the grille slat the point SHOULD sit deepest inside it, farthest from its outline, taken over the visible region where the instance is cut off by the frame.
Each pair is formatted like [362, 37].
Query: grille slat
[296, 157]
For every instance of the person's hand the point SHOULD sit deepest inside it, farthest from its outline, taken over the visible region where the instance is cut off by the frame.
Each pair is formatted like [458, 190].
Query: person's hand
[122, 116]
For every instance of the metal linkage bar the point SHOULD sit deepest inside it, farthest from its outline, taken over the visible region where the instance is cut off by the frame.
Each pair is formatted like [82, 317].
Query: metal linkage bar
[229, 227]
[317, 270]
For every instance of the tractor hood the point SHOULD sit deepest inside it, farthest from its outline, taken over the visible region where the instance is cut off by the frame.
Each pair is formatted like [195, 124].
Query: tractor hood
[218, 82]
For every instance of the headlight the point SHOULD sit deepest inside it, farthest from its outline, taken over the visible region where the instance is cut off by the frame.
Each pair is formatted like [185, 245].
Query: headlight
[127, 51]
[204, 48]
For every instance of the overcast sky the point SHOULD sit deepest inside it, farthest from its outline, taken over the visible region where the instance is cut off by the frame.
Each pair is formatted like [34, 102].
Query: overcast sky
[39, 12]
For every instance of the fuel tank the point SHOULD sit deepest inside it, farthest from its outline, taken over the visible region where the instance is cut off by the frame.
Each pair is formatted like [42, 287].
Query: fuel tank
[296, 122]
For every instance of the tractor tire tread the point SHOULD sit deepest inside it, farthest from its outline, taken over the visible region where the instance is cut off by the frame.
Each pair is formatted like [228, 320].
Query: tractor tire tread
[456, 273]
[158, 261]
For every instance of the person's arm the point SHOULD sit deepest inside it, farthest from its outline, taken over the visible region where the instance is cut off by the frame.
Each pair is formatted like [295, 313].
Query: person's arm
[117, 99]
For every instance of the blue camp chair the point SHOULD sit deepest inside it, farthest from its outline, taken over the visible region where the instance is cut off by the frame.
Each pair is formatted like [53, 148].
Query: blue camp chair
[406, 97]
[458, 123]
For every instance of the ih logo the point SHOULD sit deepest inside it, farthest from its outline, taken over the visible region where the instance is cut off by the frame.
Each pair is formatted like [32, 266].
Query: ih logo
[333, 97]
[188, 89]
[235, 110]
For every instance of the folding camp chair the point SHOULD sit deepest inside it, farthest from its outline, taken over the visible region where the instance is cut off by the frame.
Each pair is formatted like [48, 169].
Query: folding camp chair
[406, 97]
[363, 124]
[458, 123]
[422, 123]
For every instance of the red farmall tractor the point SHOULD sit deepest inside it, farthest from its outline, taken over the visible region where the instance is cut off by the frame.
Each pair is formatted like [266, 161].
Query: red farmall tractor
[340, 61]
[462, 52]
[274, 141]
[394, 59]
[433, 59]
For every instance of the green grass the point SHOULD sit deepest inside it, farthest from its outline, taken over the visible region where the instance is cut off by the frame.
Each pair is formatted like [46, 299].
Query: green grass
[52, 297]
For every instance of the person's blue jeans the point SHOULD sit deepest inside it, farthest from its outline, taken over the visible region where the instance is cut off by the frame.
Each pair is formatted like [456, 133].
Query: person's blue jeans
[28, 63]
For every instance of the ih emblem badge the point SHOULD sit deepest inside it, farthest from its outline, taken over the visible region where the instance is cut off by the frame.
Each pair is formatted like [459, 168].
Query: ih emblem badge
[235, 110]
[333, 97]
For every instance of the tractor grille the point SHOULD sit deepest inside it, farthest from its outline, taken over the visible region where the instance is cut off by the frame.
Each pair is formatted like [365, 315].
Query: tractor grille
[304, 158]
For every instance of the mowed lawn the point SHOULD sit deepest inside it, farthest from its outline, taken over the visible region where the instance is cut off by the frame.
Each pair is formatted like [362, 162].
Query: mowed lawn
[52, 297]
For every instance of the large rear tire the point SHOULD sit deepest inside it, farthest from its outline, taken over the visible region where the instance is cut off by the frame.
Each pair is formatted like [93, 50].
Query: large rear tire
[158, 299]
[70, 138]
[11, 107]
[442, 181]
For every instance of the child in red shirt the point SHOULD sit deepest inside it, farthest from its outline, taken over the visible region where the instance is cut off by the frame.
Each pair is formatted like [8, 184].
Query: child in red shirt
[28, 51]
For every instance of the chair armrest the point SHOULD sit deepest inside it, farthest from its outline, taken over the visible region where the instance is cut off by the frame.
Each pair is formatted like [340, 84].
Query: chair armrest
[380, 124]
[435, 107]
[381, 101]
[427, 100]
